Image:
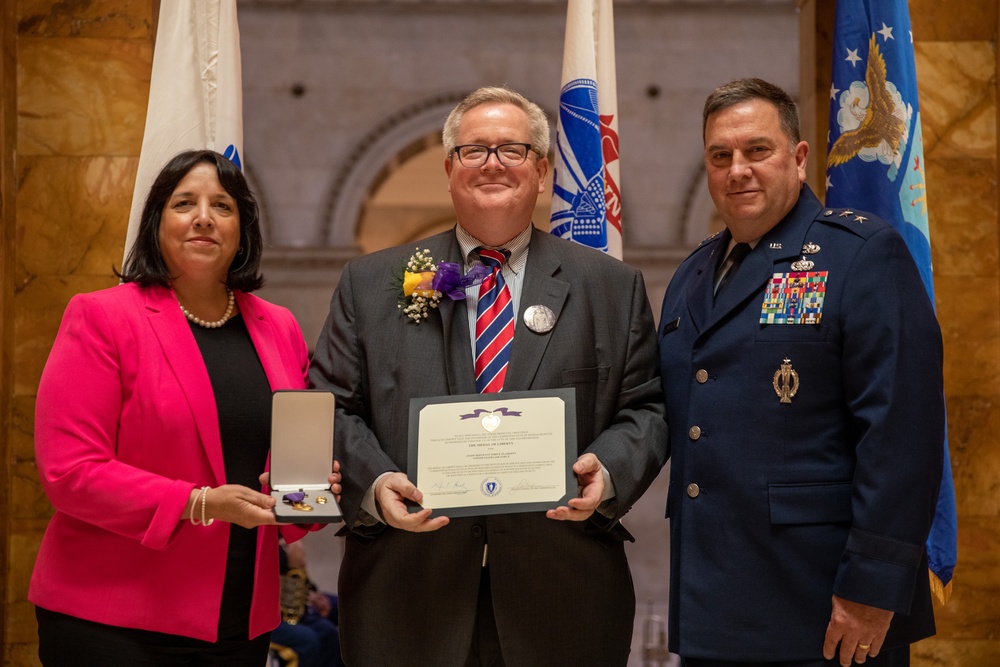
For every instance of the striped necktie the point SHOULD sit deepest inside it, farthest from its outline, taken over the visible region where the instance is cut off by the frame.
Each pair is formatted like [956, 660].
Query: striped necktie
[494, 324]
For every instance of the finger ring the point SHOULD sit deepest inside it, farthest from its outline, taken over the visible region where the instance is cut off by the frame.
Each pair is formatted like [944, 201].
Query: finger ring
[864, 647]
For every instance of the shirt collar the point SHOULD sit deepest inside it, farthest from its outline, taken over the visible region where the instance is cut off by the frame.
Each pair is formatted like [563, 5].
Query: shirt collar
[518, 247]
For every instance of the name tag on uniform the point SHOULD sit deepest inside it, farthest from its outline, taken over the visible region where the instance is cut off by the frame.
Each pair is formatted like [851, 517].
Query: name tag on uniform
[794, 298]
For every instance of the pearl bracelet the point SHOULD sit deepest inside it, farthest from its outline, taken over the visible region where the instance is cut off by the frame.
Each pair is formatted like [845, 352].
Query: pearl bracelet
[204, 500]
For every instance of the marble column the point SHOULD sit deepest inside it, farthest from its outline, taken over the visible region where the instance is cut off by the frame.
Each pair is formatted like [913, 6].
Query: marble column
[82, 81]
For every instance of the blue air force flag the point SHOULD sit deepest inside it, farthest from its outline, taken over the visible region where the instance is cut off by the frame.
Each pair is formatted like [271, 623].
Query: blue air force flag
[195, 91]
[586, 200]
[876, 163]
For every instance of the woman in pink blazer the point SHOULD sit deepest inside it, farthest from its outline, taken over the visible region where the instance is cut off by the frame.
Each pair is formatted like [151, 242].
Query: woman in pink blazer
[152, 429]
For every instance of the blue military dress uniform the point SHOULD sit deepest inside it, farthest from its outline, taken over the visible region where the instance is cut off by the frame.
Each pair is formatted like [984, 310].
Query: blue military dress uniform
[806, 417]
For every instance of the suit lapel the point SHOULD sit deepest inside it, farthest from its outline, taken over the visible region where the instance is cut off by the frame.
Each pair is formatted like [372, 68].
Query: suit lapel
[265, 341]
[183, 355]
[753, 273]
[700, 299]
[459, 372]
[540, 287]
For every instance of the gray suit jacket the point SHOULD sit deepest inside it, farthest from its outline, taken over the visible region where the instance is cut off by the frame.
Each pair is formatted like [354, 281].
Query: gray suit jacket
[410, 599]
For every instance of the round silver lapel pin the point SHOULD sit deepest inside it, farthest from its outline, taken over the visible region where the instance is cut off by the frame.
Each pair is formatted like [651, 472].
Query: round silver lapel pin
[539, 319]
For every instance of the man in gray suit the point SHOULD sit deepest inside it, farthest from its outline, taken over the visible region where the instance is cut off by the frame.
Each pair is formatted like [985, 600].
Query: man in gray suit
[532, 588]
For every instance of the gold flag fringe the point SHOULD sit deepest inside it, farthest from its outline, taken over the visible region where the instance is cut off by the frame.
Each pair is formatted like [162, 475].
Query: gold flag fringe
[941, 591]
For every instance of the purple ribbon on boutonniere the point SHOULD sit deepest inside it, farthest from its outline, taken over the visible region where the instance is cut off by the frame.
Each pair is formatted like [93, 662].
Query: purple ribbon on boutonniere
[449, 279]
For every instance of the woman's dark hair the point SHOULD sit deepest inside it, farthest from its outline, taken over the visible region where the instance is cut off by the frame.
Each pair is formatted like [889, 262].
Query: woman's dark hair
[145, 264]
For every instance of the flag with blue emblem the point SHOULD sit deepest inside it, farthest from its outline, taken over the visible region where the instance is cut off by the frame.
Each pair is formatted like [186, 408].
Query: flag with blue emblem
[195, 91]
[876, 163]
[586, 197]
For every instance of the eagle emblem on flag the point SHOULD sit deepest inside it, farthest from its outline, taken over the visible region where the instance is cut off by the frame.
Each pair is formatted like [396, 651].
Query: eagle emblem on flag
[873, 118]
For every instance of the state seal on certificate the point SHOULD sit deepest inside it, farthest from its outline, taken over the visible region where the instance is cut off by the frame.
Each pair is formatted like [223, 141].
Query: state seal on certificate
[480, 454]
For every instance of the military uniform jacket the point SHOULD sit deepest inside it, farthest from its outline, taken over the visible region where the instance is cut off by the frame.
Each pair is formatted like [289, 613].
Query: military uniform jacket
[561, 590]
[776, 506]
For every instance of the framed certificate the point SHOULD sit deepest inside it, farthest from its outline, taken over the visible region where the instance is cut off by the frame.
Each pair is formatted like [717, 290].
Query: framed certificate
[480, 454]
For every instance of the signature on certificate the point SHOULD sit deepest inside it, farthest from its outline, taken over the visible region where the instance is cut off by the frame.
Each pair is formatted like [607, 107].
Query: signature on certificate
[448, 487]
[525, 485]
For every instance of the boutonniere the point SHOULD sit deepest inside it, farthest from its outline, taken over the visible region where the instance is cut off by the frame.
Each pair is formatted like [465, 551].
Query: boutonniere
[424, 283]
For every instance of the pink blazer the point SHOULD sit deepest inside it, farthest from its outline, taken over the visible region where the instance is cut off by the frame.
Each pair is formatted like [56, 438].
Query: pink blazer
[125, 426]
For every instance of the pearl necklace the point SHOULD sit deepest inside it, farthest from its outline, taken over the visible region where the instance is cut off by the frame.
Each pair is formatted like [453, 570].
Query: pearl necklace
[216, 324]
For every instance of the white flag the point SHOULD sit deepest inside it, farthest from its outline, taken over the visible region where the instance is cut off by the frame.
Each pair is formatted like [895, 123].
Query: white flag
[586, 194]
[195, 91]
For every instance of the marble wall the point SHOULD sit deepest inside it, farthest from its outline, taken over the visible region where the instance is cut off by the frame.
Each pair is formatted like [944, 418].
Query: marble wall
[82, 80]
[74, 81]
[957, 67]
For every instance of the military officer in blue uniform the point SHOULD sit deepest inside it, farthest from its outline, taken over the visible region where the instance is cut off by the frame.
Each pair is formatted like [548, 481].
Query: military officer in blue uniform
[802, 365]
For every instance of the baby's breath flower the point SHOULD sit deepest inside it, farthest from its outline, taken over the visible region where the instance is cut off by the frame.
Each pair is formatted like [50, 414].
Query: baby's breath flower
[416, 305]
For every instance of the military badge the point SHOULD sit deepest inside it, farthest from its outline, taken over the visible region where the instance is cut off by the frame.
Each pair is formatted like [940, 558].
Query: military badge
[786, 382]
[794, 298]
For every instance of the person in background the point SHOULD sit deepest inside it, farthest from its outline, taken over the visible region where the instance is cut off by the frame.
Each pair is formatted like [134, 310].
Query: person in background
[802, 367]
[310, 630]
[152, 429]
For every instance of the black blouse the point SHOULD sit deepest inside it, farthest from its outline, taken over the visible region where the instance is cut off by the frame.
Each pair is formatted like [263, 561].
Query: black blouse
[243, 398]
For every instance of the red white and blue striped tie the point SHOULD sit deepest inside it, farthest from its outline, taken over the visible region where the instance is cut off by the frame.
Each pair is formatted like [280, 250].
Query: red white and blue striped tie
[494, 324]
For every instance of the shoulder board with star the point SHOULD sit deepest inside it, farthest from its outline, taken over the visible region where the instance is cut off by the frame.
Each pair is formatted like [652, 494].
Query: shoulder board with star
[861, 223]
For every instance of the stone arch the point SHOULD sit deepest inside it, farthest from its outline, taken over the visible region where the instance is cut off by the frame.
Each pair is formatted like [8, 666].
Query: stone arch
[699, 217]
[370, 161]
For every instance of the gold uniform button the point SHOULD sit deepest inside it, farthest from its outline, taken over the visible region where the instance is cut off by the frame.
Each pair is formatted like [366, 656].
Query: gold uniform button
[701, 376]
[693, 490]
[694, 432]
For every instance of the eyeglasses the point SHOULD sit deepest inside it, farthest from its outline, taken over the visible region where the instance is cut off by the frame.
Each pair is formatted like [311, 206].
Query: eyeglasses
[476, 155]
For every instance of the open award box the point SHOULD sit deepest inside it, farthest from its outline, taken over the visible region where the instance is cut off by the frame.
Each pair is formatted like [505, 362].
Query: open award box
[302, 456]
